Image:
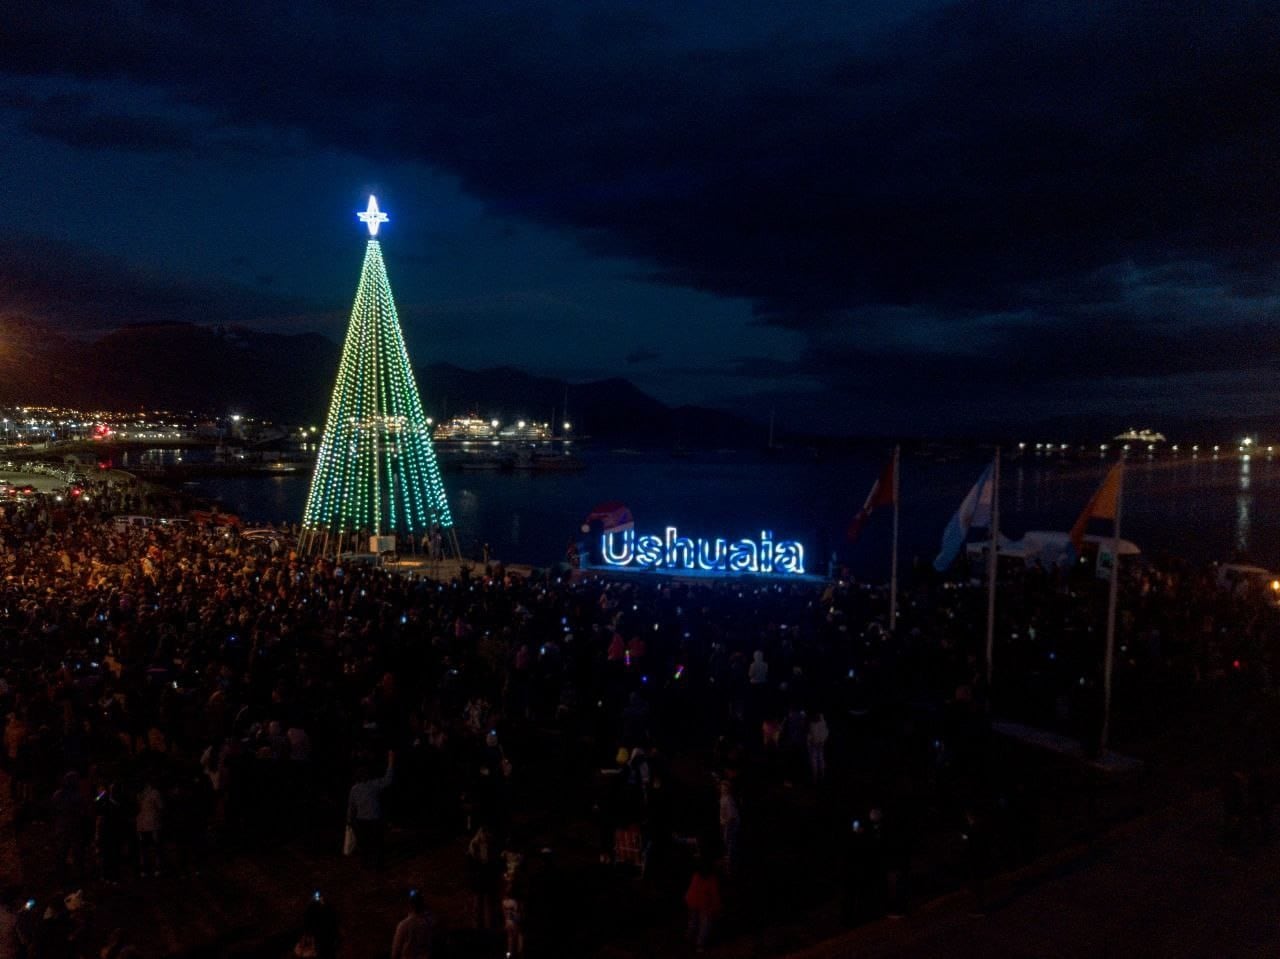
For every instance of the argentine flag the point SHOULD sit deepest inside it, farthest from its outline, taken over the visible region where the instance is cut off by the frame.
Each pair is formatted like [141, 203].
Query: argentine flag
[974, 511]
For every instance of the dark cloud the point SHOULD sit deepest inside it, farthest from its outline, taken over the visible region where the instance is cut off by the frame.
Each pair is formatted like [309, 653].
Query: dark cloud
[977, 192]
[81, 291]
[1030, 357]
[74, 121]
[642, 355]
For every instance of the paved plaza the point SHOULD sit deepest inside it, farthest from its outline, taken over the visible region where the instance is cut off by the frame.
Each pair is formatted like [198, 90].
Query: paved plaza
[1160, 886]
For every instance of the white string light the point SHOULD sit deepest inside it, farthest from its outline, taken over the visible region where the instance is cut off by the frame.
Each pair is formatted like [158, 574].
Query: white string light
[372, 217]
[376, 468]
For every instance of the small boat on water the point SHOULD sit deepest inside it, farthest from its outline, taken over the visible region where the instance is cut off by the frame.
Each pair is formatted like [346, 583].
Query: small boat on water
[475, 459]
[483, 462]
[543, 461]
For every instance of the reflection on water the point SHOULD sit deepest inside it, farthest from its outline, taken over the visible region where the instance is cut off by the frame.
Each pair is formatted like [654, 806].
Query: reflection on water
[1201, 508]
[161, 457]
[463, 503]
[1244, 503]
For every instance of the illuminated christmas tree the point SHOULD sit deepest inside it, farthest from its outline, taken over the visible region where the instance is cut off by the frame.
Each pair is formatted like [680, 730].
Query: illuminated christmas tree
[376, 473]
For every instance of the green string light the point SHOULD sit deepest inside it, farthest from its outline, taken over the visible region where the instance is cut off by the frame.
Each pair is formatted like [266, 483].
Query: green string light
[376, 470]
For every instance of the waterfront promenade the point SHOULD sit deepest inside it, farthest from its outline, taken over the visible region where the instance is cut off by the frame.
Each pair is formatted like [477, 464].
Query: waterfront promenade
[256, 688]
[1160, 886]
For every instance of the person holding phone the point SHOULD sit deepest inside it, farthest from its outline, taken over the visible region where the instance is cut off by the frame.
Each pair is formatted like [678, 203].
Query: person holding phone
[365, 813]
[320, 935]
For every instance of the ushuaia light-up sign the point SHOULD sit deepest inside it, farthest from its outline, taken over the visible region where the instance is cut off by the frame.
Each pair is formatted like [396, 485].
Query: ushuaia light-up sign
[672, 552]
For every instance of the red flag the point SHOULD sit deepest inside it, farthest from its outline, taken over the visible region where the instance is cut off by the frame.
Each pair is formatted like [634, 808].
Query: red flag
[881, 495]
[1102, 505]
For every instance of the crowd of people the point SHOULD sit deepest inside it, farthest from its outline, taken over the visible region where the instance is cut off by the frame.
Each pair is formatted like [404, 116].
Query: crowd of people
[175, 693]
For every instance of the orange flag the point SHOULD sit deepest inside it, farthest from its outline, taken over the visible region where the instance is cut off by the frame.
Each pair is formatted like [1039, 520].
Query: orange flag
[1102, 505]
[881, 494]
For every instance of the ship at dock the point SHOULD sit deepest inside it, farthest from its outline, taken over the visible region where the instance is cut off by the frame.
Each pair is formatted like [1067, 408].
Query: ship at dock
[470, 442]
[1147, 436]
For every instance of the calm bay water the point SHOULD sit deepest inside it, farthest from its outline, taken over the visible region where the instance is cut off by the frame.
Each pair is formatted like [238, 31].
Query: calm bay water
[1200, 508]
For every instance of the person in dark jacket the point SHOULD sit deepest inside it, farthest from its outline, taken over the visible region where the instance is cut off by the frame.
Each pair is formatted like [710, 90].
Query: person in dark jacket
[483, 872]
[412, 939]
[703, 901]
[320, 926]
[71, 818]
[111, 831]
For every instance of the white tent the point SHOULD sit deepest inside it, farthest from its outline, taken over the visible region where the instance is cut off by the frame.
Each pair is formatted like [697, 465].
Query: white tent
[1047, 547]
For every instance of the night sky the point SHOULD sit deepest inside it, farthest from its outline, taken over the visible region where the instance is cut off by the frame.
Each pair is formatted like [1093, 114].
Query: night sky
[871, 216]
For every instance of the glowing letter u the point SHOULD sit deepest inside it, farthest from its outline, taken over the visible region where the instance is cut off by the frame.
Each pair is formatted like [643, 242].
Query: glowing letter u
[612, 555]
[711, 554]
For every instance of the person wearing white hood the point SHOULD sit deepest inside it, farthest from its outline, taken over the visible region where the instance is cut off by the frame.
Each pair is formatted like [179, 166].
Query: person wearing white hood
[758, 673]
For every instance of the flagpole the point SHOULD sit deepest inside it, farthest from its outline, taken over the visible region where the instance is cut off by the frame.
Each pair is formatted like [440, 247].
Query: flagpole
[992, 564]
[1111, 616]
[893, 557]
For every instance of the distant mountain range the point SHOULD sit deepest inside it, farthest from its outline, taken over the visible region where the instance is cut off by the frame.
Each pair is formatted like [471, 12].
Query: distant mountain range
[288, 378]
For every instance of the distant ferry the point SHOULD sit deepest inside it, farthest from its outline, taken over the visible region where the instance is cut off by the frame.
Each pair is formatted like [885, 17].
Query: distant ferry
[472, 428]
[472, 443]
[469, 427]
[1140, 436]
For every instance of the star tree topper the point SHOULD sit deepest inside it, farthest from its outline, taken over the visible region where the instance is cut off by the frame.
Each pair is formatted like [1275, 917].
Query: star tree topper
[372, 217]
